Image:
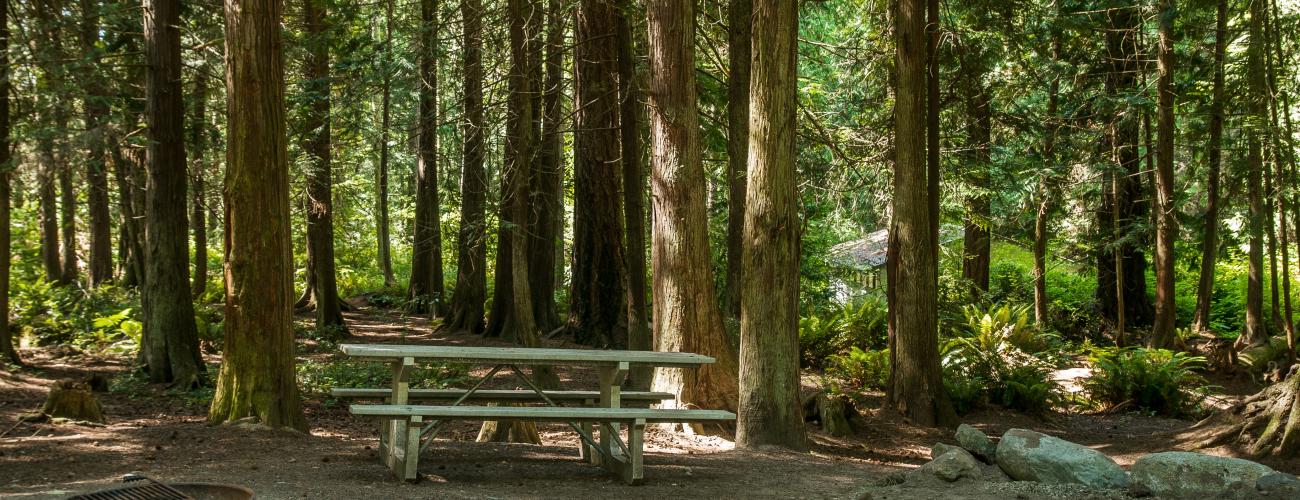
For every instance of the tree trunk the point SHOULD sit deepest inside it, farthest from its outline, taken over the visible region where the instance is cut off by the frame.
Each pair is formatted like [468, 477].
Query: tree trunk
[915, 386]
[598, 304]
[1162, 332]
[67, 214]
[1255, 332]
[547, 191]
[631, 109]
[51, 50]
[1046, 194]
[7, 349]
[94, 110]
[769, 319]
[739, 22]
[49, 212]
[171, 337]
[1210, 243]
[320, 197]
[686, 314]
[198, 201]
[126, 173]
[257, 369]
[1280, 152]
[977, 245]
[1289, 148]
[466, 311]
[1123, 212]
[933, 107]
[385, 247]
[425, 289]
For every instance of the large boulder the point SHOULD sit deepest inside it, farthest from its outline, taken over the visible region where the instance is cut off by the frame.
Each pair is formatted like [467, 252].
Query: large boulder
[955, 464]
[1031, 456]
[1187, 475]
[976, 442]
[1279, 485]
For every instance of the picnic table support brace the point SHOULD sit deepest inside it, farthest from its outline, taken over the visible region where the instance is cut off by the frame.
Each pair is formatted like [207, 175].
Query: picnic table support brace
[393, 435]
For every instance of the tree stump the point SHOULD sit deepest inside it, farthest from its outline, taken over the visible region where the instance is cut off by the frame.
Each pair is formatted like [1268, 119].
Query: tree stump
[72, 400]
[508, 432]
[1266, 424]
[832, 411]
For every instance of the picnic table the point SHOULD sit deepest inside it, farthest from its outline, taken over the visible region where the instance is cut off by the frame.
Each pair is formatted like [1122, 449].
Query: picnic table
[407, 428]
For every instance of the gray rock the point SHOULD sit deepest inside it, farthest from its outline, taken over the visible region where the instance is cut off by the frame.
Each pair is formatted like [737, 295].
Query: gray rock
[953, 465]
[976, 442]
[1187, 475]
[1031, 456]
[939, 449]
[1278, 485]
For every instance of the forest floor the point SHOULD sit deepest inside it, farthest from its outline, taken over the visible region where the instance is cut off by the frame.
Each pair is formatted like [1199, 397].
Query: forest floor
[166, 437]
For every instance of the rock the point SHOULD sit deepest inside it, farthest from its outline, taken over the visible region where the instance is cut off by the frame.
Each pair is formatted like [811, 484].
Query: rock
[939, 449]
[976, 442]
[1187, 475]
[1278, 485]
[1031, 456]
[953, 465]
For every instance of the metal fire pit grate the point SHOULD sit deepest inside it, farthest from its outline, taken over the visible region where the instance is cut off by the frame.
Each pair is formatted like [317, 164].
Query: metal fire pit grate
[144, 488]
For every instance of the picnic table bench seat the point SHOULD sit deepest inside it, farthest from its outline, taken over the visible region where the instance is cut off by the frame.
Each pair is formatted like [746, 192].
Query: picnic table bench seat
[496, 395]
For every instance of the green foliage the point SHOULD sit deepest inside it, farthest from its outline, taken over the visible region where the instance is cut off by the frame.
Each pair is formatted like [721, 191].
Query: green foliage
[104, 318]
[392, 297]
[863, 325]
[993, 362]
[319, 376]
[1002, 323]
[858, 369]
[1155, 380]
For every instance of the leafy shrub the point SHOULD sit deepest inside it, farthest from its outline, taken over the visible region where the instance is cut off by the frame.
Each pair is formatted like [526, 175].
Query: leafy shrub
[862, 325]
[388, 298]
[101, 318]
[318, 377]
[1010, 282]
[992, 362]
[1156, 380]
[1002, 323]
[858, 369]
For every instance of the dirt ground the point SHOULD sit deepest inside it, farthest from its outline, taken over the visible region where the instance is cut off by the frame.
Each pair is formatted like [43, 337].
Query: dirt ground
[166, 437]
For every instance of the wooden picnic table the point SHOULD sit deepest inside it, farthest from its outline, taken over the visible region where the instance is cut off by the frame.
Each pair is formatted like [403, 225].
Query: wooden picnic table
[404, 432]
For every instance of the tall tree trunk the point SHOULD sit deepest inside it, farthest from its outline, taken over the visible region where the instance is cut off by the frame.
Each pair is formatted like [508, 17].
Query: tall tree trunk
[50, 50]
[771, 413]
[67, 212]
[1046, 193]
[49, 212]
[425, 289]
[598, 304]
[630, 118]
[198, 199]
[1124, 212]
[686, 314]
[547, 192]
[94, 110]
[7, 349]
[171, 336]
[1162, 332]
[1278, 173]
[126, 173]
[933, 106]
[1210, 243]
[1255, 332]
[977, 245]
[257, 369]
[1290, 174]
[915, 381]
[739, 23]
[466, 312]
[320, 196]
[385, 246]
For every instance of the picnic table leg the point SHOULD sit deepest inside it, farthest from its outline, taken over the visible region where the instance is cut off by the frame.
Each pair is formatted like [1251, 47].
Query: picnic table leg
[611, 391]
[394, 431]
[411, 458]
[585, 452]
[633, 469]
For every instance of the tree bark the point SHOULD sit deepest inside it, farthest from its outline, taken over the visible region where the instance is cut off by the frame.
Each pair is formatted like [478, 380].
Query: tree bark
[94, 110]
[171, 337]
[320, 196]
[1289, 147]
[977, 244]
[770, 413]
[631, 116]
[257, 371]
[1210, 243]
[67, 212]
[1046, 194]
[1280, 152]
[198, 199]
[915, 387]
[7, 349]
[739, 17]
[1255, 332]
[1162, 332]
[466, 312]
[598, 304]
[385, 247]
[49, 212]
[547, 191]
[686, 314]
[425, 289]
[51, 50]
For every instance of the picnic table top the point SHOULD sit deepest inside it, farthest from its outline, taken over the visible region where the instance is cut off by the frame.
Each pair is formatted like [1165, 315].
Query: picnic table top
[523, 355]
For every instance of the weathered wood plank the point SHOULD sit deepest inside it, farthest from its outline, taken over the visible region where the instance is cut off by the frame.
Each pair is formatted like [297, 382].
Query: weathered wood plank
[524, 355]
[544, 413]
[492, 394]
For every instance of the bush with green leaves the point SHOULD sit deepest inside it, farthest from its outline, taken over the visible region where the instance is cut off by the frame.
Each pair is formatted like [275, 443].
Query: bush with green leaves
[858, 370]
[863, 325]
[1156, 380]
[101, 318]
[993, 360]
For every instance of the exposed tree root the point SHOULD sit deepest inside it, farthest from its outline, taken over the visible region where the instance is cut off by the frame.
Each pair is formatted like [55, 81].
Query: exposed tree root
[1266, 424]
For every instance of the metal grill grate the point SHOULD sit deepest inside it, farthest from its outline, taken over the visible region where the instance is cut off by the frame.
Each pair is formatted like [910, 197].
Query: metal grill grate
[141, 488]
